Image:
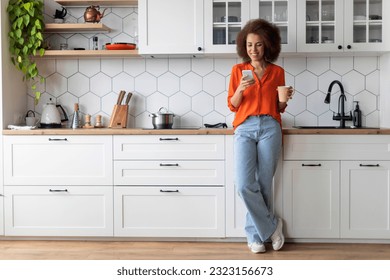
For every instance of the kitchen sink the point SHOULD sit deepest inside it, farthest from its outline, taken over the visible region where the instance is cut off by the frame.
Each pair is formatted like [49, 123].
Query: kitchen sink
[330, 127]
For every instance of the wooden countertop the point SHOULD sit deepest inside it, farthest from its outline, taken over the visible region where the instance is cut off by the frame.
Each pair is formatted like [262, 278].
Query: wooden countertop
[336, 131]
[120, 131]
[201, 131]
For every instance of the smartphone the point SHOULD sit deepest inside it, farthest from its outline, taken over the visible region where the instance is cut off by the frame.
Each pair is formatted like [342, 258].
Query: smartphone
[247, 74]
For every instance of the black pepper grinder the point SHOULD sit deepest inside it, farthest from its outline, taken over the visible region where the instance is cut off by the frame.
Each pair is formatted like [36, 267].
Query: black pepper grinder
[357, 116]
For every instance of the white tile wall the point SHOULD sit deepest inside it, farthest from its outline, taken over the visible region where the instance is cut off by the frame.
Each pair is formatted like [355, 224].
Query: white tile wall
[195, 89]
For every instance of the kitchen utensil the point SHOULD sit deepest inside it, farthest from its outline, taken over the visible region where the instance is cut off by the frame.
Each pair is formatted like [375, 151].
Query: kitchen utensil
[92, 14]
[217, 125]
[76, 118]
[129, 95]
[119, 113]
[162, 119]
[51, 117]
[120, 46]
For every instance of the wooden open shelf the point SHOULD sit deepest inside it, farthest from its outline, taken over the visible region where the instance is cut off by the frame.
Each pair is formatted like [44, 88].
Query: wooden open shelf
[75, 28]
[89, 53]
[99, 3]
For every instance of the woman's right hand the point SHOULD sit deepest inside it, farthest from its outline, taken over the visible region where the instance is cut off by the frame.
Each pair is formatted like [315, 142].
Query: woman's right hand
[237, 97]
[245, 83]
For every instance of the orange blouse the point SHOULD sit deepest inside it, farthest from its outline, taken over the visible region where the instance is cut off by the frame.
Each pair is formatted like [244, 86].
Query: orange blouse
[259, 99]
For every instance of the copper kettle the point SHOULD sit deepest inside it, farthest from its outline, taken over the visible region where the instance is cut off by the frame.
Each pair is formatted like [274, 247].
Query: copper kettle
[92, 14]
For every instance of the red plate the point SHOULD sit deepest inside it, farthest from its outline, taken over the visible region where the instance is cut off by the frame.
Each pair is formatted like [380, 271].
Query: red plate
[120, 46]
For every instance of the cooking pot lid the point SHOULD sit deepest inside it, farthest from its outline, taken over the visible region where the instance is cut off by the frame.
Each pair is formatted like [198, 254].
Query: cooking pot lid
[164, 111]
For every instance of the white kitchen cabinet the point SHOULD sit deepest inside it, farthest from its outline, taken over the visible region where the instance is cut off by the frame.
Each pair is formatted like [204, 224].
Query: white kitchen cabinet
[162, 211]
[58, 211]
[169, 185]
[365, 199]
[342, 26]
[223, 19]
[351, 178]
[311, 199]
[283, 14]
[170, 27]
[58, 160]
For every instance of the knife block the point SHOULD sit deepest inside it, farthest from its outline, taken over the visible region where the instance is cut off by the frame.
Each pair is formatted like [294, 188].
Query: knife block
[119, 116]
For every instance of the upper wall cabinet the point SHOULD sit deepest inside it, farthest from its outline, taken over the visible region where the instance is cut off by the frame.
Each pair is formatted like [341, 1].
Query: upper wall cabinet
[336, 26]
[223, 20]
[170, 26]
[283, 14]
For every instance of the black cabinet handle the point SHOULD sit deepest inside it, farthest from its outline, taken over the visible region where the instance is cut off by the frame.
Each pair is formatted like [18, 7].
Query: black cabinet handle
[51, 190]
[339, 47]
[169, 139]
[58, 139]
[169, 164]
[199, 48]
[169, 191]
[316, 165]
[349, 47]
[369, 165]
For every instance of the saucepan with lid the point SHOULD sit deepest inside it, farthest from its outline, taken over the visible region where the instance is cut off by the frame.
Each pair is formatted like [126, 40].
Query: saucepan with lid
[162, 119]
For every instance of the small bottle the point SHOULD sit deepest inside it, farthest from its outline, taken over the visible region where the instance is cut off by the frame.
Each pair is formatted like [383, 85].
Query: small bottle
[357, 116]
[95, 44]
[76, 117]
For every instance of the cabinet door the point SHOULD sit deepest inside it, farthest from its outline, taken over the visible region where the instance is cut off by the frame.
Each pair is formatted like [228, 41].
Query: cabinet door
[170, 26]
[58, 211]
[283, 14]
[320, 25]
[311, 199]
[58, 160]
[365, 199]
[169, 212]
[223, 20]
[367, 25]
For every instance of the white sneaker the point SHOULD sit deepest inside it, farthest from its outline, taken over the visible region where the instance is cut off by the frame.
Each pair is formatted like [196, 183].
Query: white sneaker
[277, 237]
[257, 247]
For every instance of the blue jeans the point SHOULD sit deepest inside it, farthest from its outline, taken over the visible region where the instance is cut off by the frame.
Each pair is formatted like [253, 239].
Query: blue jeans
[257, 146]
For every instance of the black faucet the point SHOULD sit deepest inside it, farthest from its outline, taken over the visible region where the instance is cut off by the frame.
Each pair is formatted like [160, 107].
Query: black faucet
[341, 108]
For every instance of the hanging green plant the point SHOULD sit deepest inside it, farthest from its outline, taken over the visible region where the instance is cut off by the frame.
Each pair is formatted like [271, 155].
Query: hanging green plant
[26, 39]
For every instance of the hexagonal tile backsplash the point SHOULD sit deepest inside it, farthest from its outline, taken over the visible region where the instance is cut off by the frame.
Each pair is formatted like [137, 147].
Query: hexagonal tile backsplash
[195, 89]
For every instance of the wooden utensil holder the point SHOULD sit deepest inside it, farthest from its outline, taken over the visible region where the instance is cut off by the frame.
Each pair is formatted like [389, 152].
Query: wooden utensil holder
[119, 116]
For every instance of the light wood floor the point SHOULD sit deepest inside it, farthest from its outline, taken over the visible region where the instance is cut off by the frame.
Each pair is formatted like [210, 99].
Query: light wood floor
[124, 250]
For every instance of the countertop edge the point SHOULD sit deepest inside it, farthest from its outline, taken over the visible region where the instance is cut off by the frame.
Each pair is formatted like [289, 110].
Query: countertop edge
[120, 131]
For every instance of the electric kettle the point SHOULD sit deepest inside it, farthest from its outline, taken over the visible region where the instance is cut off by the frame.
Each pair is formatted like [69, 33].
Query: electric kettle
[51, 117]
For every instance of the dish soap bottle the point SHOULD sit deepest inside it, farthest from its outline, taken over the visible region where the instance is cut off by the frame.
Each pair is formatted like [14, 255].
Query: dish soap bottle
[76, 117]
[357, 116]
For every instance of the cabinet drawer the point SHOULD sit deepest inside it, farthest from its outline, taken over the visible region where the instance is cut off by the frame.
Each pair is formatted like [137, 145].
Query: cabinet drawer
[169, 212]
[169, 173]
[54, 160]
[169, 147]
[59, 211]
[336, 147]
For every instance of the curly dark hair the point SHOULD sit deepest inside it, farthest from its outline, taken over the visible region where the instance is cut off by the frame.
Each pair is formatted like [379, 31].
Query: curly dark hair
[267, 31]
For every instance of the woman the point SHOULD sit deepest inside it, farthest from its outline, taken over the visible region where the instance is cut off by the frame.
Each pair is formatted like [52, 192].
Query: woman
[257, 129]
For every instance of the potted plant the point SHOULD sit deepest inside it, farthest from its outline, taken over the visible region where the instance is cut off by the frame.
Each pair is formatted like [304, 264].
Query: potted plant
[26, 39]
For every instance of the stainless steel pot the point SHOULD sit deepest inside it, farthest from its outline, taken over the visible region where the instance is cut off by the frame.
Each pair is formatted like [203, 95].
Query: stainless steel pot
[162, 119]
